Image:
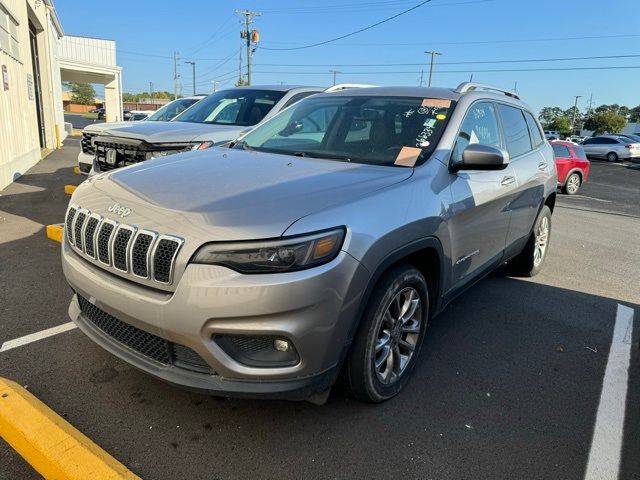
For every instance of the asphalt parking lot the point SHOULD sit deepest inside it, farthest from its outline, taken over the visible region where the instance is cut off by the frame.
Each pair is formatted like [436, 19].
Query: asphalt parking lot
[508, 384]
[79, 121]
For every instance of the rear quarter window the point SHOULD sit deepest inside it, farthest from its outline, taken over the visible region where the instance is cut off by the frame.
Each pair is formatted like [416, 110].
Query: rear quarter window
[579, 152]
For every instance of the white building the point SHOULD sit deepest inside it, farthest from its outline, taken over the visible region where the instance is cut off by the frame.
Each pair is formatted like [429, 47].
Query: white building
[35, 57]
[31, 117]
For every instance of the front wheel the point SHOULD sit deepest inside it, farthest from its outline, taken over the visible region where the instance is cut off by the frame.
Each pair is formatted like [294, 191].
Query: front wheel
[389, 339]
[529, 262]
[572, 185]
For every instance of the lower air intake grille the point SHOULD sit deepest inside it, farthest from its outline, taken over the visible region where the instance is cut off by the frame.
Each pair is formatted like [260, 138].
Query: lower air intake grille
[144, 343]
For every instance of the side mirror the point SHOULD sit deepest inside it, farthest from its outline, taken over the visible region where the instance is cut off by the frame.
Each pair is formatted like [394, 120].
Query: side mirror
[482, 157]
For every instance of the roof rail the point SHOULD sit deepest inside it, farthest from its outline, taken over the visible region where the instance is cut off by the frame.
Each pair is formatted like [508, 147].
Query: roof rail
[345, 86]
[465, 87]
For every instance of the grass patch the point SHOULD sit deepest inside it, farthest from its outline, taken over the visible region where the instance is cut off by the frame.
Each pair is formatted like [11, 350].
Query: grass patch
[90, 115]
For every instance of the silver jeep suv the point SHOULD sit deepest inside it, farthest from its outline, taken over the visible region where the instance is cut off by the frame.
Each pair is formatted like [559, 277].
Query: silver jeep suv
[320, 244]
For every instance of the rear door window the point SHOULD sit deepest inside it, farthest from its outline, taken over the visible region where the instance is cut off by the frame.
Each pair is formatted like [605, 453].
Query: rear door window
[516, 132]
[561, 151]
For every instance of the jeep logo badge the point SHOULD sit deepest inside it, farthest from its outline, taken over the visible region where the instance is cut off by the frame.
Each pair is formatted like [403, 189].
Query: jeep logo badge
[119, 210]
[111, 156]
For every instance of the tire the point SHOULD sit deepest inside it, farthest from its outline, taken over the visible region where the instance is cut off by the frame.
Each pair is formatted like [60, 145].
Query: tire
[381, 326]
[572, 185]
[612, 157]
[529, 262]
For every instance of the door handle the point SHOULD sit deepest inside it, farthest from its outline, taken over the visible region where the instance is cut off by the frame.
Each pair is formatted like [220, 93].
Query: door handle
[542, 165]
[508, 180]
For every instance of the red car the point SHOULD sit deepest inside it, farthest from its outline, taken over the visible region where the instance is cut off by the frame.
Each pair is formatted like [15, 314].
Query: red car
[572, 165]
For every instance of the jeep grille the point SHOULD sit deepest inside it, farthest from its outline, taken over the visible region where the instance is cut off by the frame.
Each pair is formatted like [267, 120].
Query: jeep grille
[141, 253]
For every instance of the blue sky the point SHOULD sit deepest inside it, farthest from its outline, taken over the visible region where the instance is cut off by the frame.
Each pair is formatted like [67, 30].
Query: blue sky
[207, 32]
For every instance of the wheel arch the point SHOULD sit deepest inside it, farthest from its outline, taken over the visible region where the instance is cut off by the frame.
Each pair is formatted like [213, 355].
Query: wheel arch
[573, 170]
[427, 255]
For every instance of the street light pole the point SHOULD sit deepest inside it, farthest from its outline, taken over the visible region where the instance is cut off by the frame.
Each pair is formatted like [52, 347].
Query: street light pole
[335, 72]
[433, 54]
[575, 108]
[193, 66]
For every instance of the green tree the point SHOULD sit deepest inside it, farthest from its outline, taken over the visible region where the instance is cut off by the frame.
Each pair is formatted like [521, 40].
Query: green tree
[241, 82]
[605, 122]
[82, 93]
[560, 124]
[634, 114]
[549, 114]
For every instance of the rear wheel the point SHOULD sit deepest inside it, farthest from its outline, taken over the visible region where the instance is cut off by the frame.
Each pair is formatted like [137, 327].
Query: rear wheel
[388, 342]
[572, 185]
[612, 157]
[529, 262]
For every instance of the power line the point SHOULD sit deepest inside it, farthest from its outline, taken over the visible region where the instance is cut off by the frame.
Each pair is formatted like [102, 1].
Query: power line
[470, 62]
[478, 42]
[388, 19]
[213, 35]
[413, 72]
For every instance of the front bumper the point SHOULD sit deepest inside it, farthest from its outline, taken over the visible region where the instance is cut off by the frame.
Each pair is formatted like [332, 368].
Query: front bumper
[315, 309]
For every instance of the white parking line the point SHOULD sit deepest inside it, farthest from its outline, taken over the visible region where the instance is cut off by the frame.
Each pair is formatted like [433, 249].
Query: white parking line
[34, 337]
[606, 445]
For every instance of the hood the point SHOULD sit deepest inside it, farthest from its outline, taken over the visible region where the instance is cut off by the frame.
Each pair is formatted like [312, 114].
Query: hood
[228, 194]
[101, 127]
[168, 132]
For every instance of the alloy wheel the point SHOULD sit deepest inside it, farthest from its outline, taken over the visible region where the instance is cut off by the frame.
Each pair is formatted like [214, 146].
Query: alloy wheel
[542, 237]
[397, 336]
[573, 183]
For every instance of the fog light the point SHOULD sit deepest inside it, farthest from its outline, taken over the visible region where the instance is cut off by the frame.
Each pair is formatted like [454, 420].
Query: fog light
[267, 351]
[281, 345]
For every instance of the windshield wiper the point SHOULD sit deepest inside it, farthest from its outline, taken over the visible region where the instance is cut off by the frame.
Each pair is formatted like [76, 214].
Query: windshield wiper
[242, 144]
[321, 156]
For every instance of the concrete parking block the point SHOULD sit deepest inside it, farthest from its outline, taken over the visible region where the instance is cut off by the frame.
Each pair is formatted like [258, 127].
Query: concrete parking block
[55, 231]
[52, 446]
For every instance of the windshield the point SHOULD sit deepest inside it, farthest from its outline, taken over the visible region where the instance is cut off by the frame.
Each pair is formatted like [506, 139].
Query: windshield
[241, 106]
[364, 129]
[171, 109]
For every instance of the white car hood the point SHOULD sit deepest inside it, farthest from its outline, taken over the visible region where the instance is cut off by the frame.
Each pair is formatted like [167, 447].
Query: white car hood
[175, 132]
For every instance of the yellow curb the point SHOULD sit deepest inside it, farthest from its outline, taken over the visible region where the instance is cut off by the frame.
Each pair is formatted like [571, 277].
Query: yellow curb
[69, 189]
[52, 446]
[55, 231]
[76, 170]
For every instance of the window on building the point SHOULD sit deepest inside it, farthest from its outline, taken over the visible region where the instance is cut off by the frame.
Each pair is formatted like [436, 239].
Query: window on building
[9, 42]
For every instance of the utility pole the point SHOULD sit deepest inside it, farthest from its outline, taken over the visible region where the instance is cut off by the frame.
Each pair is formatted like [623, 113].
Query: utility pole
[176, 75]
[590, 104]
[248, 17]
[471, 78]
[150, 89]
[215, 85]
[193, 66]
[335, 72]
[433, 54]
[421, 77]
[515, 88]
[575, 108]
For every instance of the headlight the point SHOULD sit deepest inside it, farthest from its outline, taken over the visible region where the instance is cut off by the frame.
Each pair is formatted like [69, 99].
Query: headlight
[273, 256]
